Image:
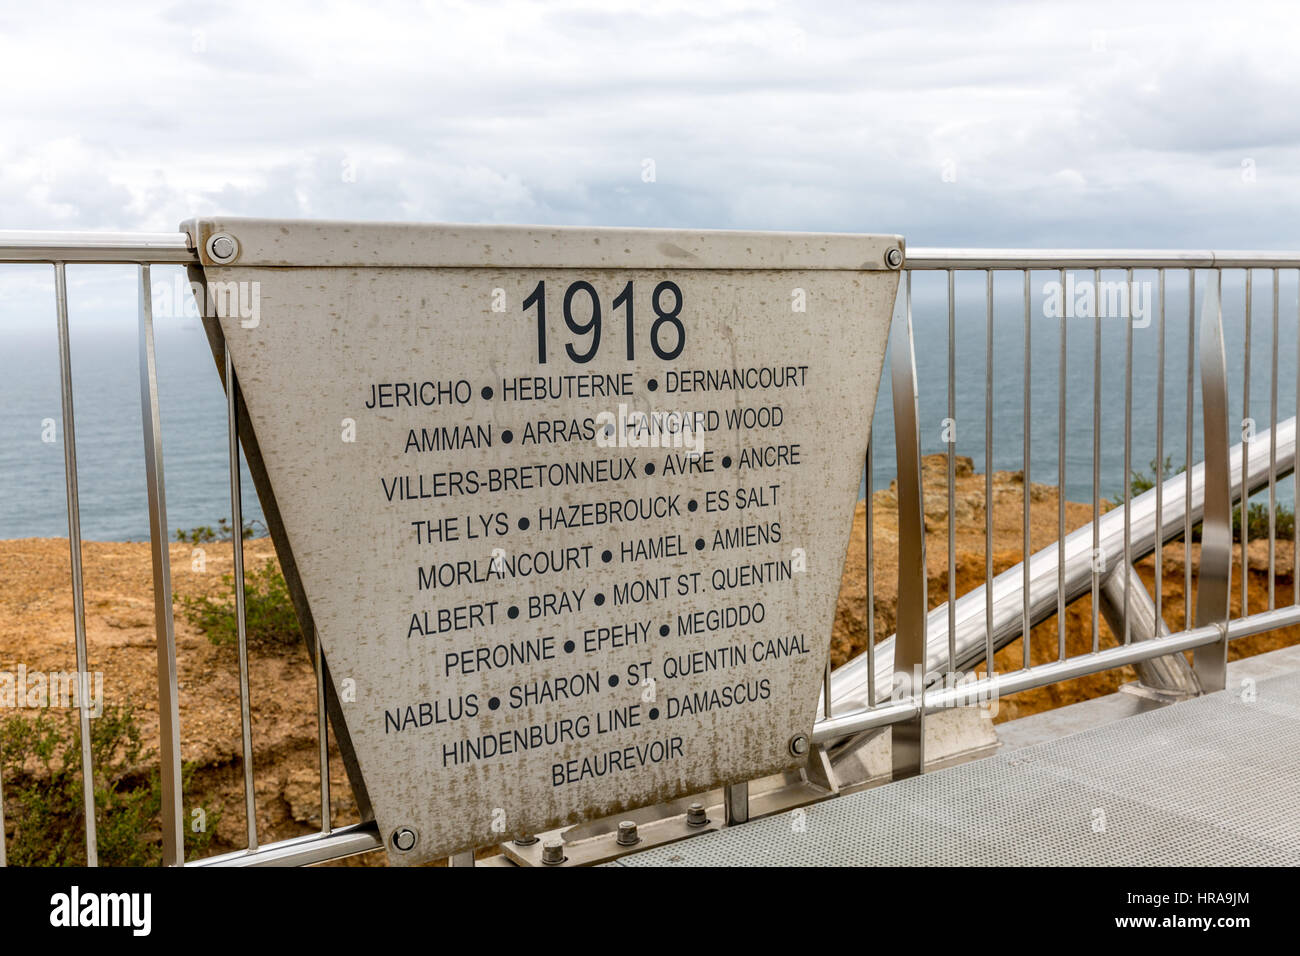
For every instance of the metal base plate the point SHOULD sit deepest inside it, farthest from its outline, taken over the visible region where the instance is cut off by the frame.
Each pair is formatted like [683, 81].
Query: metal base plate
[1210, 781]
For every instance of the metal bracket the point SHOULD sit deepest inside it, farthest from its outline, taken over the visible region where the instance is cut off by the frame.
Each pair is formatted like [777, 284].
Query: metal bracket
[1170, 676]
[820, 771]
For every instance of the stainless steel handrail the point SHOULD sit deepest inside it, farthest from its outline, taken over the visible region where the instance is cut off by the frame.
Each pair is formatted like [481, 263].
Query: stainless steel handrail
[141, 248]
[1052, 259]
[827, 732]
[304, 850]
[166, 247]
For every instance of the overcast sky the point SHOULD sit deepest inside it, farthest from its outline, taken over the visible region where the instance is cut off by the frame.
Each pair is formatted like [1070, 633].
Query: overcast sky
[956, 123]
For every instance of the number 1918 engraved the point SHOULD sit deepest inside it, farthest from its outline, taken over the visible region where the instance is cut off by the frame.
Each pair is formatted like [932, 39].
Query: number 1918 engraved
[590, 330]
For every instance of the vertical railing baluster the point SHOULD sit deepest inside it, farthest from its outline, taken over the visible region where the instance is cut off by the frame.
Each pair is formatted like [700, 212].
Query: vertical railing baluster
[869, 536]
[1272, 461]
[952, 476]
[241, 624]
[322, 736]
[169, 720]
[74, 551]
[1245, 450]
[1096, 460]
[1187, 463]
[1060, 490]
[826, 689]
[1128, 453]
[988, 470]
[1025, 618]
[920, 490]
[1160, 457]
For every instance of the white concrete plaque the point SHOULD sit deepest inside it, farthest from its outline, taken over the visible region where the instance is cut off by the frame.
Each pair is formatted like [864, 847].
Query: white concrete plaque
[569, 506]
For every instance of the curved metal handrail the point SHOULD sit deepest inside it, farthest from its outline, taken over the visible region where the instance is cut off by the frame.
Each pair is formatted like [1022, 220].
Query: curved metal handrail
[849, 682]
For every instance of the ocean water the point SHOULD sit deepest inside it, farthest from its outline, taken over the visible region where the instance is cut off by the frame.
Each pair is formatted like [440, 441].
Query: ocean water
[930, 335]
[106, 394]
[110, 442]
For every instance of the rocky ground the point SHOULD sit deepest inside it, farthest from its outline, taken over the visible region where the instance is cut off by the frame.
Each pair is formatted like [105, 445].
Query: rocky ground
[36, 616]
[36, 630]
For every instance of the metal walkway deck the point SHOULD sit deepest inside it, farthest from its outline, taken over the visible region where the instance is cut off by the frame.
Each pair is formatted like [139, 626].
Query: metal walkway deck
[1211, 781]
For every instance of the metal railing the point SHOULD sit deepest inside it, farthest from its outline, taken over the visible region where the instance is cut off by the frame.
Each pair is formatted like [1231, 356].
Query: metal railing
[1013, 614]
[862, 696]
[865, 695]
[145, 251]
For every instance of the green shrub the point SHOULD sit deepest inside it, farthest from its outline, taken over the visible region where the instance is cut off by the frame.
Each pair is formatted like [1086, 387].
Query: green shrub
[40, 765]
[268, 610]
[1256, 514]
[1139, 482]
[1257, 522]
[222, 532]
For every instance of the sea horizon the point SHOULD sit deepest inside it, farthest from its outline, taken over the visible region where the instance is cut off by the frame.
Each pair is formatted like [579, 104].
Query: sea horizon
[111, 477]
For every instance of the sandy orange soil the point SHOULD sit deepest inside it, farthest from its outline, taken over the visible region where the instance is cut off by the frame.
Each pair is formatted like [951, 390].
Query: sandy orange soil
[36, 631]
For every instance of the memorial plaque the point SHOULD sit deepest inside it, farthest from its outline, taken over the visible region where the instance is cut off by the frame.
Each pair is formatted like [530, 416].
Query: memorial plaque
[569, 506]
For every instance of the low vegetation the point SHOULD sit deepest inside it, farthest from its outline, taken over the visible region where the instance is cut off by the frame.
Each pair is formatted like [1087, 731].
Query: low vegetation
[1256, 513]
[268, 610]
[40, 766]
[222, 532]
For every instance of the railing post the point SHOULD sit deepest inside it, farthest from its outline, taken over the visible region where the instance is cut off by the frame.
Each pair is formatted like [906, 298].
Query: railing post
[74, 553]
[241, 617]
[1214, 574]
[735, 803]
[323, 738]
[908, 745]
[169, 719]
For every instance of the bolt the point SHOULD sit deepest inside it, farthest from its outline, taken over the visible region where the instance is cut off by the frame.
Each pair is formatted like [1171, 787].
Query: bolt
[894, 258]
[627, 835]
[799, 745]
[222, 247]
[526, 840]
[695, 815]
[553, 852]
[404, 839]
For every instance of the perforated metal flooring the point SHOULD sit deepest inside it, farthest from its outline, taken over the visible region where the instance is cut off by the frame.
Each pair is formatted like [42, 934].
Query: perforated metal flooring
[1211, 781]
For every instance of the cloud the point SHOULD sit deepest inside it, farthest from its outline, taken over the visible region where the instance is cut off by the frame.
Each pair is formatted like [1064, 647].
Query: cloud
[955, 123]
